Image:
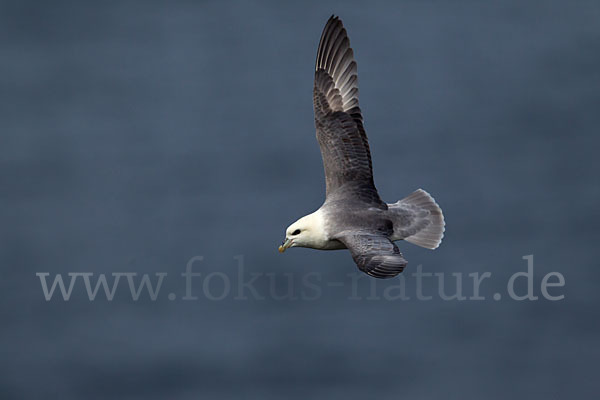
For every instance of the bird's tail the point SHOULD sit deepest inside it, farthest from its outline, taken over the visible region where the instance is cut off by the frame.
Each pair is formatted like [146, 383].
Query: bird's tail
[431, 223]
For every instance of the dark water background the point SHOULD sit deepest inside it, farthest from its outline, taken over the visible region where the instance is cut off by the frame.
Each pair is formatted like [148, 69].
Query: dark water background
[135, 135]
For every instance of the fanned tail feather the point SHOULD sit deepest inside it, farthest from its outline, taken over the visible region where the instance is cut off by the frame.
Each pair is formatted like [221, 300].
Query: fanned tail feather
[431, 235]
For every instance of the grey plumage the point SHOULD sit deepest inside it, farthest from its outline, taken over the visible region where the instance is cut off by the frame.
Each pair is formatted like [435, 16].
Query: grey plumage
[354, 215]
[340, 131]
[374, 253]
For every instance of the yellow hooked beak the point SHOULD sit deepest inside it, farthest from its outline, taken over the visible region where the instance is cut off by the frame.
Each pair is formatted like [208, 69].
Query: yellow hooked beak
[286, 243]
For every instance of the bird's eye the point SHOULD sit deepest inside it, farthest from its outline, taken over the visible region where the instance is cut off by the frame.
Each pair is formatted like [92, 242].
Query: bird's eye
[296, 232]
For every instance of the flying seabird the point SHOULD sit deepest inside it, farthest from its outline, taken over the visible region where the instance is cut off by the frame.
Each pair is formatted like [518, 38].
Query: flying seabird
[353, 215]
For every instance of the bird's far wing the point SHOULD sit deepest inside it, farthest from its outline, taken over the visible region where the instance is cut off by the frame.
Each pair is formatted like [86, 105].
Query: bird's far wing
[338, 119]
[374, 254]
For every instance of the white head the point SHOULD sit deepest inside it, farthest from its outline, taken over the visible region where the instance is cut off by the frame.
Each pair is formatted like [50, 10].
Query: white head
[308, 231]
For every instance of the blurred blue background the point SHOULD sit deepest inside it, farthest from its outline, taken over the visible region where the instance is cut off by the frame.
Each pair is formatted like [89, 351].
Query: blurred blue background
[138, 134]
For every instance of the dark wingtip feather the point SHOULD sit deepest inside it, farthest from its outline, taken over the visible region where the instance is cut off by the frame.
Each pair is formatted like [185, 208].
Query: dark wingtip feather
[336, 58]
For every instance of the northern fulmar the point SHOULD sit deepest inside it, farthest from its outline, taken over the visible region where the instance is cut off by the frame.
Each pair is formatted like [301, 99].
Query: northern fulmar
[353, 215]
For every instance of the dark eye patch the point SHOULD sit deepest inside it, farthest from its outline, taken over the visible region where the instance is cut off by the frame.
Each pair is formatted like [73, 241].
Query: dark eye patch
[296, 232]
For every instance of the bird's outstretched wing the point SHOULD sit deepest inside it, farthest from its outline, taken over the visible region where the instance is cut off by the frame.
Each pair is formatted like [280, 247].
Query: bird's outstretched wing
[374, 254]
[338, 119]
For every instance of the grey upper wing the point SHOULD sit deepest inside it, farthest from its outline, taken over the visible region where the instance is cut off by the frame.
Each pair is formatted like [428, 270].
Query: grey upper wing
[338, 119]
[374, 254]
